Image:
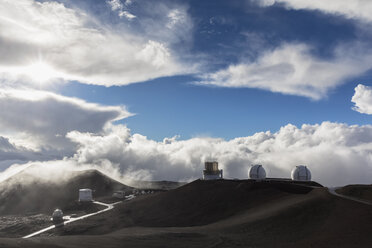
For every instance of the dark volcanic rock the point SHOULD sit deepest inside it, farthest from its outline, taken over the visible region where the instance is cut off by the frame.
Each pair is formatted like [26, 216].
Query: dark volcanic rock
[195, 204]
[222, 213]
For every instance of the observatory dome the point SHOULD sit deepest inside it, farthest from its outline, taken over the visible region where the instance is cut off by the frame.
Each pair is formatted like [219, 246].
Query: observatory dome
[57, 215]
[301, 173]
[257, 172]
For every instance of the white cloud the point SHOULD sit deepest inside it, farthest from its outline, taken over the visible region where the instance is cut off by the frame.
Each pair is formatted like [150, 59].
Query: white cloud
[265, 3]
[292, 69]
[357, 9]
[128, 2]
[11, 153]
[69, 44]
[154, 53]
[336, 153]
[39, 120]
[176, 17]
[363, 99]
[116, 5]
[172, 23]
[126, 14]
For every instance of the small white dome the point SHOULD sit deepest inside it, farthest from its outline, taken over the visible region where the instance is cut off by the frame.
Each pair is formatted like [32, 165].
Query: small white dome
[57, 213]
[257, 172]
[301, 173]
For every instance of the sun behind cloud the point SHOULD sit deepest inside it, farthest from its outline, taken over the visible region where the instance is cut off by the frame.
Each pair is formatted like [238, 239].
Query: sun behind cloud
[36, 72]
[40, 72]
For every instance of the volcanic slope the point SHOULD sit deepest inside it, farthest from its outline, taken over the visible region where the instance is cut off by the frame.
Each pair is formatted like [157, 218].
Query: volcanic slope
[359, 191]
[198, 203]
[229, 213]
[26, 193]
[222, 213]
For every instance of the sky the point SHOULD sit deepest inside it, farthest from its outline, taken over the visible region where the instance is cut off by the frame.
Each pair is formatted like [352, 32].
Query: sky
[149, 90]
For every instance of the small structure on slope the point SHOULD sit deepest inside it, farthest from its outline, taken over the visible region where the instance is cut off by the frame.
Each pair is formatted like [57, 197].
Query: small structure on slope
[57, 216]
[211, 171]
[257, 172]
[119, 194]
[301, 173]
[85, 195]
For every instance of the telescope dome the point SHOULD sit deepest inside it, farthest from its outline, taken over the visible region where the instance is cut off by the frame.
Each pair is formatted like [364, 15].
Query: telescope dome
[57, 213]
[301, 173]
[257, 172]
[57, 216]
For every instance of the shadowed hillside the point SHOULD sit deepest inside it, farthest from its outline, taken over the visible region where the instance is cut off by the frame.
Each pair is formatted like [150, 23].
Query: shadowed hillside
[156, 185]
[228, 213]
[23, 194]
[221, 213]
[360, 191]
[195, 204]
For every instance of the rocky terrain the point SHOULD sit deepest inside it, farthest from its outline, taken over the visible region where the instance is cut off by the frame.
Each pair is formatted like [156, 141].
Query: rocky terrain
[27, 202]
[220, 213]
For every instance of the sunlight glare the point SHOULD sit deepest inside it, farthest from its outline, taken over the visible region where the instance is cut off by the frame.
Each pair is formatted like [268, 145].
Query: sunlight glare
[40, 72]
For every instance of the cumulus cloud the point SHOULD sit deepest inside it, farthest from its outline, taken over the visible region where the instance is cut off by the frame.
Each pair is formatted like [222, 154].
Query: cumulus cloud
[11, 154]
[46, 40]
[363, 99]
[39, 120]
[336, 153]
[356, 9]
[292, 69]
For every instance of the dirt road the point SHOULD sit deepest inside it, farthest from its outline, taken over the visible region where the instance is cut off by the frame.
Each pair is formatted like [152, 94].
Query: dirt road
[108, 208]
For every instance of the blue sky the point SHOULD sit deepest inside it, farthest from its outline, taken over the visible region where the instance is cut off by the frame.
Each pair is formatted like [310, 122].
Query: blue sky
[224, 33]
[144, 89]
[174, 106]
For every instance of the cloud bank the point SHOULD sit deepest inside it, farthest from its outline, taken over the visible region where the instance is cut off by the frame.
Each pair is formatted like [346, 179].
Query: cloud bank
[336, 153]
[34, 123]
[292, 69]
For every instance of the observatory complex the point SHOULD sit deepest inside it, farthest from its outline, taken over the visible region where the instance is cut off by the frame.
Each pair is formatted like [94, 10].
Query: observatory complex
[257, 172]
[211, 171]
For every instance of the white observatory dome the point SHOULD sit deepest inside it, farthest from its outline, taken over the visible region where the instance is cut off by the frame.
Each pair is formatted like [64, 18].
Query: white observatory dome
[57, 215]
[257, 172]
[301, 173]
